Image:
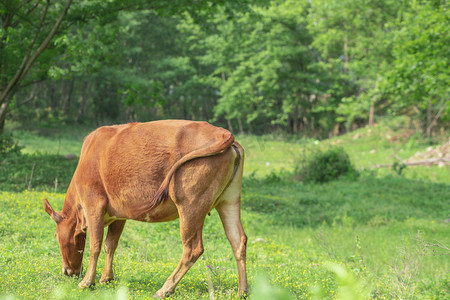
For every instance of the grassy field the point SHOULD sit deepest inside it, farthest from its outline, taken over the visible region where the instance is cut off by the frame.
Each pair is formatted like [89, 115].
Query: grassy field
[381, 236]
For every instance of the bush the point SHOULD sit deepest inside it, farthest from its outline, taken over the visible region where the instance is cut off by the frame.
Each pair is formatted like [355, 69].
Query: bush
[324, 166]
[8, 144]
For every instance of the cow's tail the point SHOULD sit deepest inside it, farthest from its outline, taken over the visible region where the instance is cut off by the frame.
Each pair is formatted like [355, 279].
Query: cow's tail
[225, 141]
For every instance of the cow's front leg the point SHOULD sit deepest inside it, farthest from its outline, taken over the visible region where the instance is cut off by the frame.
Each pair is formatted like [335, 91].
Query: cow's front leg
[112, 239]
[95, 230]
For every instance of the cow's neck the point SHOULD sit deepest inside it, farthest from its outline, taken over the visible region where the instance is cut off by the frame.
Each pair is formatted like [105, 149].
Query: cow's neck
[73, 212]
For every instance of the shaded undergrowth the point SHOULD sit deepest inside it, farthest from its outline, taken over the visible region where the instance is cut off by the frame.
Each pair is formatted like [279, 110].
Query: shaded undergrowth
[368, 200]
[50, 172]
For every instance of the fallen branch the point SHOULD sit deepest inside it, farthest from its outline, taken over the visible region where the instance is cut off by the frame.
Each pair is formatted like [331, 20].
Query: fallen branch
[428, 162]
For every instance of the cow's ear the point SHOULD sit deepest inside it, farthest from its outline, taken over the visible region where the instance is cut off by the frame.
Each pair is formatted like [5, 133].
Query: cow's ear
[51, 212]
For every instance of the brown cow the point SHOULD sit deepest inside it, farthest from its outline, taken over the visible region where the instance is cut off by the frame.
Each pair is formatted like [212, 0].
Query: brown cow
[151, 172]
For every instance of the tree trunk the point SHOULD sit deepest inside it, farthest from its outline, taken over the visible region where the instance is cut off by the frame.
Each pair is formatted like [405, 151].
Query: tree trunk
[295, 119]
[69, 97]
[230, 127]
[429, 124]
[345, 53]
[192, 105]
[336, 129]
[64, 99]
[241, 128]
[3, 108]
[83, 100]
[436, 117]
[371, 113]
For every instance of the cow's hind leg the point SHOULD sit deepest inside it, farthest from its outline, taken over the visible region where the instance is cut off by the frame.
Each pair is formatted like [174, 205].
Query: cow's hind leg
[112, 239]
[191, 223]
[231, 220]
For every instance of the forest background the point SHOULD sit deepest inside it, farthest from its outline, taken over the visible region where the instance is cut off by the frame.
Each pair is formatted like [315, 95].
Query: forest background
[315, 68]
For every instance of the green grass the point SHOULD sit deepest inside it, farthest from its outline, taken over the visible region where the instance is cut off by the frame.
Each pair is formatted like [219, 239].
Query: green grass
[291, 257]
[374, 227]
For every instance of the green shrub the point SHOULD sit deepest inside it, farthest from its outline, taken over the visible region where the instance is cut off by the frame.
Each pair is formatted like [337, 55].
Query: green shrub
[8, 144]
[324, 166]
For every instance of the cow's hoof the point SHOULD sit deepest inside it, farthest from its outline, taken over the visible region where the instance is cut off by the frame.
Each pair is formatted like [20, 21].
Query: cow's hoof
[160, 294]
[105, 280]
[86, 284]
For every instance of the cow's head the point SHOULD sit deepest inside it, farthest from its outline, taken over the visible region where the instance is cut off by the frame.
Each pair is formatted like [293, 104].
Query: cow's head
[71, 239]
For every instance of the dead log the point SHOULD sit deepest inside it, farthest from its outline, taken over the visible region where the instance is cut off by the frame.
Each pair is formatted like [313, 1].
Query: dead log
[427, 162]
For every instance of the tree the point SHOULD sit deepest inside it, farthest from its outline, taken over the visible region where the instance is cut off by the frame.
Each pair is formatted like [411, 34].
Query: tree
[417, 82]
[264, 67]
[28, 28]
[311, 67]
[26, 31]
[351, 36]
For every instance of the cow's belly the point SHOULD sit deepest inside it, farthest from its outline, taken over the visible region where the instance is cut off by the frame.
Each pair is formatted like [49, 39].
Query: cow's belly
[133, 209]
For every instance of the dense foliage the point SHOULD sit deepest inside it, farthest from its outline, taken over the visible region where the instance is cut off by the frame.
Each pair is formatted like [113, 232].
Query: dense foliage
[47, 39]
[316, 67]
[325, 166]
